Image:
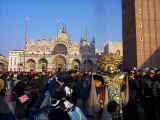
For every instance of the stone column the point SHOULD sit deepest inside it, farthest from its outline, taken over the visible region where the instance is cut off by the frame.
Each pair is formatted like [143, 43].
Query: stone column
[37, 65]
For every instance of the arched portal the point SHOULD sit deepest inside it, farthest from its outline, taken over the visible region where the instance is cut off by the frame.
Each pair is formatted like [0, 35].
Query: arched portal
[76, 64]
[43, 64]
[31, 64]
[60, 49]
[60, 63]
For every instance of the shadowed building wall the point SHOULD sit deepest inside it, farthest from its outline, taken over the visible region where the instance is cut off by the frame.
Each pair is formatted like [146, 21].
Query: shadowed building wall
[141, 32]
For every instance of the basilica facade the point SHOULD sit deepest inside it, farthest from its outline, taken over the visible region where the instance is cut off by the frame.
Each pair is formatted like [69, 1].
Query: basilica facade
[54, 55]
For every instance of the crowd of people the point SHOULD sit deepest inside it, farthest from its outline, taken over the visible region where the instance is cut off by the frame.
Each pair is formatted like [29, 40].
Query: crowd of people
[70, 95]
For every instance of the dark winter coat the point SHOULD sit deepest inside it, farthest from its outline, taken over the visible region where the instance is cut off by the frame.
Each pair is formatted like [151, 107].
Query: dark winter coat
[147, 82]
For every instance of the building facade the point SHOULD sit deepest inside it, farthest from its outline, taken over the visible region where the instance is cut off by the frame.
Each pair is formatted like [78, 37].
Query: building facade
[58, 54]
[16, 60]
[113, 48]
[88, 55]
[141, 33]
[3, 63]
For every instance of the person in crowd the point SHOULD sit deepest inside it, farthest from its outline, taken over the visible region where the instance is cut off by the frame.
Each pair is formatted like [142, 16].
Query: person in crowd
[36, 87]
[44, 79]
[6, 113]
[2, 84]
[134, 93]
[58, 100]
[41, 96]
[156, 94]
[57, 96]
[117, 89]
[140, 96]
[83, 89]
[148, 96]
[17, 93]
[51, 76]
[112, 108]
[96, 98]
[71, 80]
[57, 93]
[9, 83]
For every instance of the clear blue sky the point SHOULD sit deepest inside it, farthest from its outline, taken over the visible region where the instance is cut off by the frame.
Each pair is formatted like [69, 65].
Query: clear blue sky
[103, 18]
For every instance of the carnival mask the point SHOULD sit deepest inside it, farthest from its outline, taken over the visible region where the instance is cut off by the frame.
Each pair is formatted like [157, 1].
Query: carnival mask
[111, 69]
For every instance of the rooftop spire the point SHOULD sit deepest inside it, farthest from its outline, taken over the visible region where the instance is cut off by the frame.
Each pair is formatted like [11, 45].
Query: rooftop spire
[26, 32]
[94, 39]
[66, 28]
[84, 35]
[86, 32]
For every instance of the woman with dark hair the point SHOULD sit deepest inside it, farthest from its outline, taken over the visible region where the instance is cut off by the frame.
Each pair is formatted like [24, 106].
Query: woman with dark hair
[134, 92]
[97, 96]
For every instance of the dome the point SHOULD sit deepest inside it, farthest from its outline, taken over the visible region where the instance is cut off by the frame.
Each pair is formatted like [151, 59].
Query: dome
[62, 36]
[75, 47]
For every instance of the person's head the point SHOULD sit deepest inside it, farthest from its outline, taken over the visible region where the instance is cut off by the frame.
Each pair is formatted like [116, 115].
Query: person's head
[132, 72]
[151, 73]
[36, 76]
[98, 83]
[43, 72]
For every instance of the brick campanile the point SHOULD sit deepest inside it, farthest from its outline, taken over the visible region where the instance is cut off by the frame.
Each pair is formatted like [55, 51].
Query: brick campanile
[141, 32]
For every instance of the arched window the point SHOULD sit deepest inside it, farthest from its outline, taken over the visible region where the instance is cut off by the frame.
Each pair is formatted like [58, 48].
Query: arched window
[60, 49]
[31, 64]
[43, 64]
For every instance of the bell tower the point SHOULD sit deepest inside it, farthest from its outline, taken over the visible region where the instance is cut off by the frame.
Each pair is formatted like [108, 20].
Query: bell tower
[141, 34]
